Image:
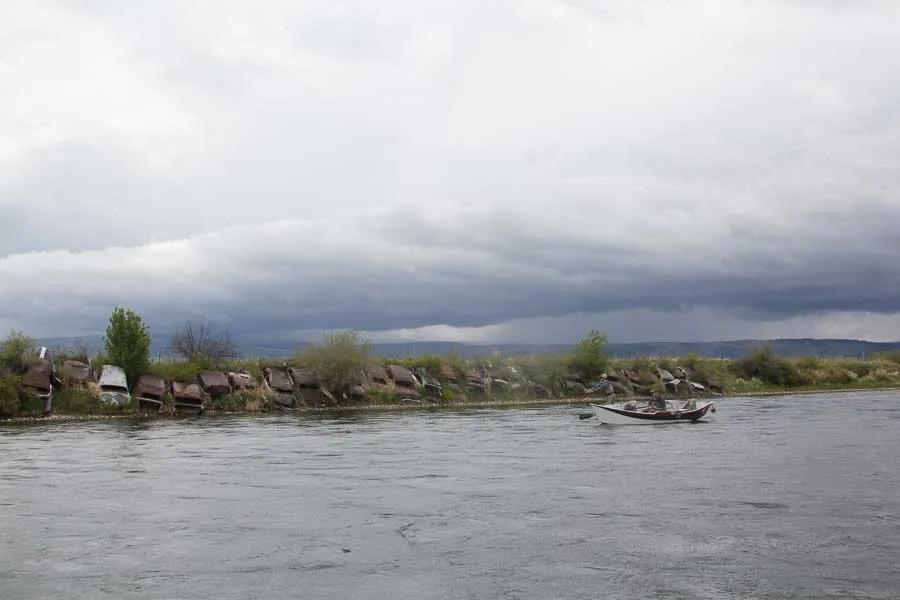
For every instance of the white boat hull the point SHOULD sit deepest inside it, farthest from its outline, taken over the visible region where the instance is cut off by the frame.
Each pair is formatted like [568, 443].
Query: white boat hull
[617, 415]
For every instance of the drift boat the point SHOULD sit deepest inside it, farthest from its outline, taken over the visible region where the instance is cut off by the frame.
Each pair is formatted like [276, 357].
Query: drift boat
[636, 414]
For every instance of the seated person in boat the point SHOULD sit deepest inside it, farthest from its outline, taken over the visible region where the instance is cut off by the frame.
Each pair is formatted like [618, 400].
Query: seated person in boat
[656, 403]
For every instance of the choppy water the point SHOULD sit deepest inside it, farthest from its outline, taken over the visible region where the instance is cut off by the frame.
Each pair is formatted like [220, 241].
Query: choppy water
[793, 497]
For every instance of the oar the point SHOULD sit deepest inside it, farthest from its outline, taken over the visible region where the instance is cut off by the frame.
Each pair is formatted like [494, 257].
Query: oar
[583, 416]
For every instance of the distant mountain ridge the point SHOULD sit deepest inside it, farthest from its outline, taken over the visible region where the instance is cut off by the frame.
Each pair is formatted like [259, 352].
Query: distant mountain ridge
[828, 348]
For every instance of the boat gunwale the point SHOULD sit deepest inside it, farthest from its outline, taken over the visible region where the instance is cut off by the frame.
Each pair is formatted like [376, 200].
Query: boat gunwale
[691, 415]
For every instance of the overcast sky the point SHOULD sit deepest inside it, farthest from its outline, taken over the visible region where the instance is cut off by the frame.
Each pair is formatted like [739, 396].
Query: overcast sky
[517, 171]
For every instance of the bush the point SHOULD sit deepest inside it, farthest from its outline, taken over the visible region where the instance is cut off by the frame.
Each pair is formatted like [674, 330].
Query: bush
[879, 375]
[80, 401]
[232, 402]
[382, 397]
[431, 363]
[243, 401]
[10, 398]
[810, 363]
[250, 366]
[547, 370]
[768, 368]
[128, 343]
[891, 356]
[834, 374]
[589, 356]
[691, 361]
[17, 352]
[860, 368]
[339, 360]
[640, 364]
[178, 370]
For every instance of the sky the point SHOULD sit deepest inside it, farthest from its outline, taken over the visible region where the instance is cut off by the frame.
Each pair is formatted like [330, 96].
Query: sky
[509, 171]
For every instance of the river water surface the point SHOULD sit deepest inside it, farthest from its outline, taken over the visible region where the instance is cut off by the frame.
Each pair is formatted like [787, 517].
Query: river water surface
[790, 497]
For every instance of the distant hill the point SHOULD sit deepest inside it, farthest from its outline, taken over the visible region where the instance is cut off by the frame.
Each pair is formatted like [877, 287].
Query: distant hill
[829, 348]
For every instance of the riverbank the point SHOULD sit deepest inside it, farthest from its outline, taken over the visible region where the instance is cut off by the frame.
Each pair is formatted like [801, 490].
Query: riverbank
[523, 403]
[349, 379]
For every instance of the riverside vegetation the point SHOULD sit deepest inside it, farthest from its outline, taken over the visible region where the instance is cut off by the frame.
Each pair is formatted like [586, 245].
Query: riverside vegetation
[342, 359]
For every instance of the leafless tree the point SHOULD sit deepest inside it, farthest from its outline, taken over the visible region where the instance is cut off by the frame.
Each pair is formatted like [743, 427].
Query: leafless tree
[203, 340]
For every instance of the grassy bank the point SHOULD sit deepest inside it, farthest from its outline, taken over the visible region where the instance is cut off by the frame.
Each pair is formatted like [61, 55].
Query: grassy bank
[508, 381]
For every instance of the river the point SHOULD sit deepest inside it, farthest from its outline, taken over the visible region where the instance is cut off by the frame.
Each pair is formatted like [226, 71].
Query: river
[783, 497]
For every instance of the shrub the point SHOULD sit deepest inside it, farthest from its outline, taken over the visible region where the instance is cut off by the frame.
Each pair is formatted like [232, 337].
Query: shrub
[250, 366]
[339, 360]
[179, 370]
[17, 352]
[691, 361]
[589, 357]
[128, 343]
[233, 402]
[860, 368]
[431, 363]
[768, 368]
[640, 364]
[665, 362]
[547, 370]
[80, 401]
[835, 374]
[879, 375]
[891, 355]
[809, 362]
[243, 401]
[10, 397]
[382, 397]
[704, 369]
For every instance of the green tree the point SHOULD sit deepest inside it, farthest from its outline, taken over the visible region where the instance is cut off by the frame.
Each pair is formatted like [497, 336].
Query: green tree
[589, 356]
[127, 343]
[339, 360]
[17, 352]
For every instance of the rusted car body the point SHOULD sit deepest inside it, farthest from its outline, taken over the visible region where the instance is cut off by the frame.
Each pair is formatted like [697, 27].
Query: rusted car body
[150, 392]
[475, 381]
[38, 383]
[114, 386]
[242, 381]
[214, 383]
[189, 398]
[448, 373]
[430, 385]
[307, 388]
[405, 383]
[75, 372]
[378, 377]
[280, 382]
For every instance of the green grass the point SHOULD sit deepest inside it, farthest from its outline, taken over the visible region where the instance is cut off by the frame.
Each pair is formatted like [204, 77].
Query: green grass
[83, 401]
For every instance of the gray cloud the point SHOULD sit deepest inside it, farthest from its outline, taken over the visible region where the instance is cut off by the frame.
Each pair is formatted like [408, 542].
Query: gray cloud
[718, 167]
